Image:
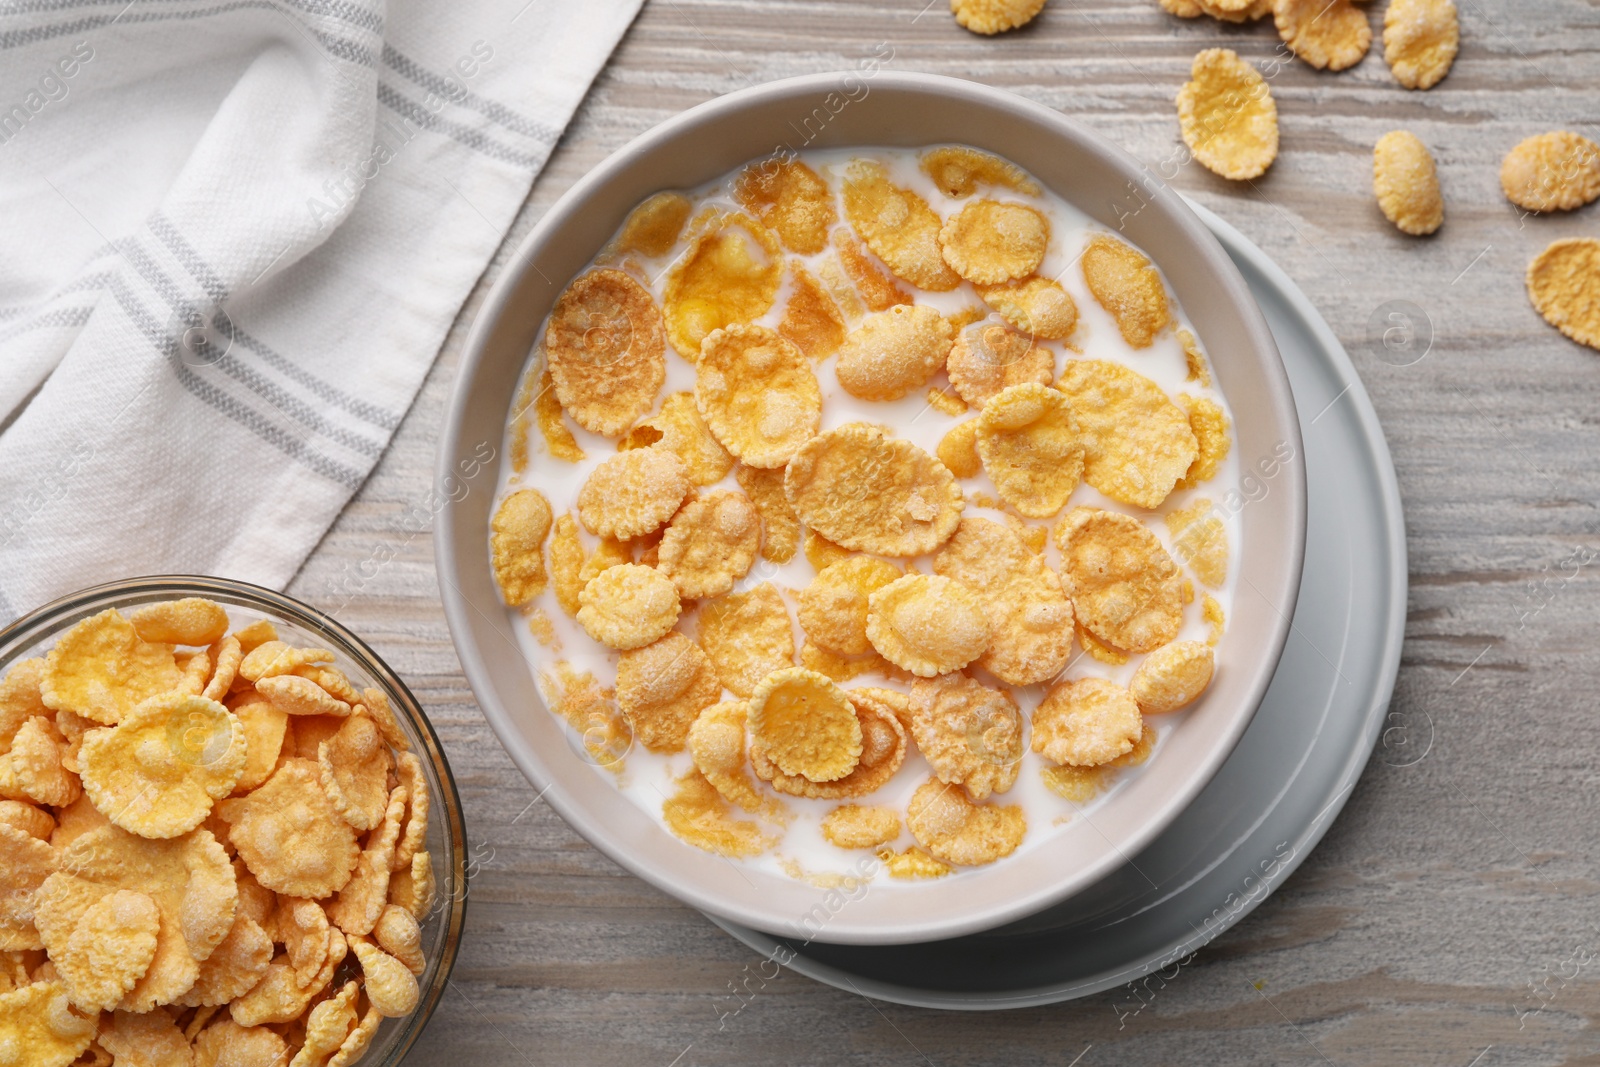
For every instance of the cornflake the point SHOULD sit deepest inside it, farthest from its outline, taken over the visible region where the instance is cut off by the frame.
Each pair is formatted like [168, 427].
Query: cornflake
[717, 746]
[1200, 541]
[958, 171]
[1209, 424]
[301, 696]
[1420, 40]
[1039, 307]
[729, 275]
[1030, 615]
[898, 226]
[710, 544]
[28, 862]
[1031, 448]
[971, 735]
[1172, 676]
[632, 493]
[987, 359]
[1082, 784]
[883, 750]
[628, 606]
[875, 286]
[1557, 171]
[758, 394]
[662, 687]
[791, 199]
[653, 227]
[1123, 586]
[1228, 117]
[853, 826]
[606, 351]
[517, 533]
[700, 815]
[1086, 723]
[1407, 183]
[865, 491]
[780, 530]
[994, 16]
[390, 986]
[912, 863]
[811, 319]
[1564, 283]
[954, 829]
[958, 449]
[101, 669]
[38, 1027]
[1195, 359]
[1137, 443]
[805, 725]
[190, 621]
[290, 835]
[1331, 34]
[558, 440]
[893, 352]
[1125, 283]
[679, 429]
[927, 624]
[833, 608]
[991, 241]
[1234, 10]
[747, 636]
[354, 771]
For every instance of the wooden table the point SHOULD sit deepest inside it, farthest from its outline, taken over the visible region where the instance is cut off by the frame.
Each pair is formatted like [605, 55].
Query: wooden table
[1450, 913]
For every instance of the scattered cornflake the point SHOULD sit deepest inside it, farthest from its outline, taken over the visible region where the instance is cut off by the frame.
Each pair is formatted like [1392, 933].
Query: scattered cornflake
[876, 287]
[1564, 283]
[1407, 183]
[698, 814]
[520, 525]
[865, 491]
[821, 552]
[1233, 10]
[1098, 649]
[632, 493]
[1082, 784]
[747, 637]
[34, 768]
[758, 394]
[811, 319]
[1125, 283]
[893, 352]
[543, 629]
[1195, 359]
[1210, 425]
[970, 734]
[944, 403]
[354, 767]
[1172, 676]
[606, 351]
[987, 359]
[833, 608]
[678, 428]
[227, 1044]
[958, 449]
[566, 563]
[628, 606]
[728, 275]
[1200, 541]
[1031, 448]
[101, 669]
[38, 1027]
[1331, 34]
[958, 171]
[805, 725]
[928, 624]
[912, 863]
[110, 948]
[291, 836]
[791, 199]
[653, 227]
[1557, 171]
[991, 241]
[854, 826]
[190, 621]
[300, 696]
[898, 226]
[1420, 40]
[1123, 585]
[1228, 117]
[883, 750]
[1086, 722]
[398, 934]
[1137, 443]
[954, 829]
[390, 986]
[717, 746]
[256, 634]
[662, 687]
[994, 16]
[327, 1026]
[558, 440]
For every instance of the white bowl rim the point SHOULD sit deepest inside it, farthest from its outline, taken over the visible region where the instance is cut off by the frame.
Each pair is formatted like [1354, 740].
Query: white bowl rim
[756, 911]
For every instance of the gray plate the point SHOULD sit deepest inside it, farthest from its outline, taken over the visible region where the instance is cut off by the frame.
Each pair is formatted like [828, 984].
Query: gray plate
[1281, 789]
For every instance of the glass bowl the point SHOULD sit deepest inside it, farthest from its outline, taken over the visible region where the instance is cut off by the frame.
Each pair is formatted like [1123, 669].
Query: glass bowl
[300, 624]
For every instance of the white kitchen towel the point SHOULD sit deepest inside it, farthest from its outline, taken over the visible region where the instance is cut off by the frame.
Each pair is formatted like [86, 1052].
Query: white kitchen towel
[233, 235]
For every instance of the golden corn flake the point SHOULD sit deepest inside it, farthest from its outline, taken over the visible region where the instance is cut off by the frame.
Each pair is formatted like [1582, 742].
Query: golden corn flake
[272, 658]
[1031, 448]
[227, 1044]
[780, 529]
[101, 669]
[520, 525]
[990, 241]
[609, 553]
[1123, 586]
[994, 16]
[729, 275]
[33, 769]
[391, 988]
[1172, 676]
[590, 710]
[1030, 615]
[945, 403]
[1564, 282]
[38, 1027]
[566, 564]
[1086, 722]
[1235, 10]
[632, 493]
[883, 750]
[256, 634]
[875, 286]
[865, 491]
[1184, 9]
[1039, 307]
[414, 889]
[628, 606]
[928, 624]
[1328, 34]
[699, 815]
[291, 836]
[912, 863]
[791, 199]
[399, 935]
[157, 773]
[653, 227]
[958, 450]
[811, 318]
[558, 440]
[1194, 359]
[327, 1026]
[747, 636]
[1420, 40]
[109, 950]
[842, 668]
[758, 394]
[970, 734]
[987, 359]
[958, 171]
[606, 351]
[853, 826]
[678, 428]
[1200, 541]
[821, 552]
[1098, 649]
[833, 608]
[805, 725]
[710, 544]
[301, 696]
[279, 997]
[898, 226]
[190, 621]
[20, 815]
[236, 964]
[25, 863]
[894, 352]
[1406, 183]
[1137, 443]
[717, 745]
[1125, 283]
[662, 687]
[1082, 784]
[408, 769]
[1557, 171]
[360, 1039]
[1209, 424]
[227, 655]
[354, 766]
[1215, 618]
[954, 829]
[1228, 118]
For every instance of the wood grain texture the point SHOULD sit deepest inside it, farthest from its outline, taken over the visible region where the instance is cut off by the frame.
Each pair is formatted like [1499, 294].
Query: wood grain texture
[1451, 899]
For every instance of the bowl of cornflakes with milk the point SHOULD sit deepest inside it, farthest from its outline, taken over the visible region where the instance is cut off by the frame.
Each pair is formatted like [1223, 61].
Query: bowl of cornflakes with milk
[877, 553]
